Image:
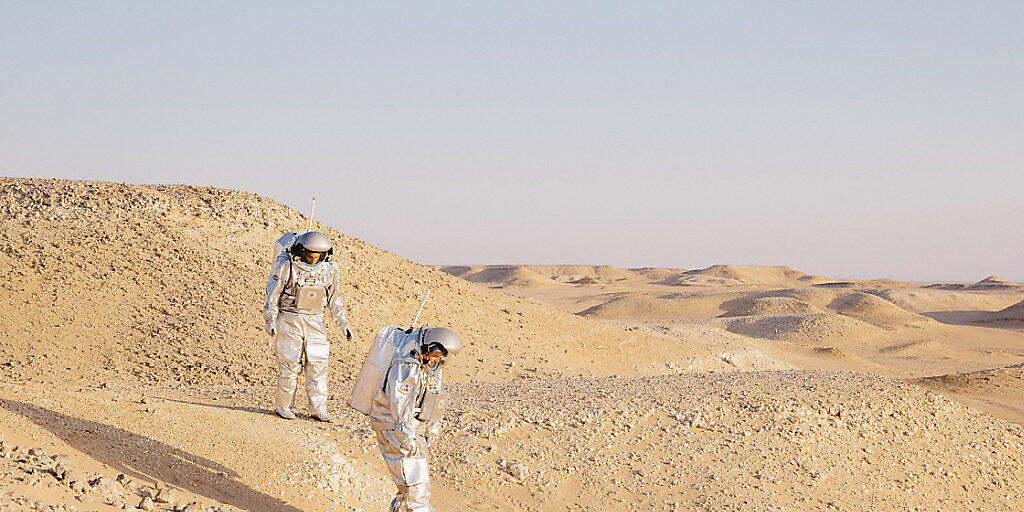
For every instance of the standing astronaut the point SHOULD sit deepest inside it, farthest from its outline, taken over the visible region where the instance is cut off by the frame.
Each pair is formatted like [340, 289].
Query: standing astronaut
[302, 285]
[406, 414]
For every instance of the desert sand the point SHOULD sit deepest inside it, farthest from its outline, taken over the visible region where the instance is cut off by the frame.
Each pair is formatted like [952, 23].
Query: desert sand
[135, 375]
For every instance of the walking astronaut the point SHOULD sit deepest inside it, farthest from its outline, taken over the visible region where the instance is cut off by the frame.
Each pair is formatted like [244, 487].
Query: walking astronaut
[303, 284]
[407, 408]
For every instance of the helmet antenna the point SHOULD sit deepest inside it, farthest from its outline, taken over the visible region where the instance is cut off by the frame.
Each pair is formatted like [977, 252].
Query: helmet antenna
[312, 208]
[417, 317]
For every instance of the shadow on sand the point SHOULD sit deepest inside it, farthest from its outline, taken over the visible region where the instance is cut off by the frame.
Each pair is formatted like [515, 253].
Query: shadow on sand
[242, 408]
[148, 459]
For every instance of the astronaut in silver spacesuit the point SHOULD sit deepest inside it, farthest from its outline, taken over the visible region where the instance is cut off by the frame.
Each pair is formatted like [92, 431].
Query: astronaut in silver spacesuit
[302, 285]
[406, 414]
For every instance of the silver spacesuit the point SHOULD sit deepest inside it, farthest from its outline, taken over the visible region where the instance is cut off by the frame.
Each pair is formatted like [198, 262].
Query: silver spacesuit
[298, 292]
[406, 416]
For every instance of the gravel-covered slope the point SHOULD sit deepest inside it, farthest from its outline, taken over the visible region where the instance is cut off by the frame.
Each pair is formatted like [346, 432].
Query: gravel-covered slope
[779, 441]
[103, 281]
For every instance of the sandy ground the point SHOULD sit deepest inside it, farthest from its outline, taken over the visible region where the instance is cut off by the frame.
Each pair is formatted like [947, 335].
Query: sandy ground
[928, 333]
[135, 375]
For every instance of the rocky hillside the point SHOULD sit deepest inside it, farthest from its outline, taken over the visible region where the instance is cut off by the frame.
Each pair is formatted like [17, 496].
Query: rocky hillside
[106, 281]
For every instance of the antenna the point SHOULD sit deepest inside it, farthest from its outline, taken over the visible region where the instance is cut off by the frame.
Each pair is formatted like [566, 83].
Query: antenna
[415, 319]
[312, 208]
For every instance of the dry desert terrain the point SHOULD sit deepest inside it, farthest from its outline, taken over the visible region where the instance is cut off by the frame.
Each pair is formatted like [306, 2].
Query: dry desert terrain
[135, 375]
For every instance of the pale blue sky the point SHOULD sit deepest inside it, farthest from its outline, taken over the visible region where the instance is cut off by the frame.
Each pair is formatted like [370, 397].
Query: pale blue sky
[863, 139]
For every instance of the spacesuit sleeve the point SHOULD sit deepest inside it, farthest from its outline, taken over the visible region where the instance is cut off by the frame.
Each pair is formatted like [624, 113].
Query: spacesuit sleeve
[335, 306]
[399, 390]
[275, 285]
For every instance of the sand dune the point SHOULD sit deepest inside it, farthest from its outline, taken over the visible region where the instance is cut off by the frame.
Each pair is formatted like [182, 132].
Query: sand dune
[599, 273]
[805, 328]
[716, 275]
[656, 274]
[530, 275]
[499, 275]
[875, 310]
[744, 275]
[645, 307]
[758, 306]
[817, 297]
[918, 300]
[1012, 313]
[993, 283]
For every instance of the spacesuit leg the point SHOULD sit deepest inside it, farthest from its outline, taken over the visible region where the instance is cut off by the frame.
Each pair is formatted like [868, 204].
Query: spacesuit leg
[317, 352]
[289, 360]
[410, 474]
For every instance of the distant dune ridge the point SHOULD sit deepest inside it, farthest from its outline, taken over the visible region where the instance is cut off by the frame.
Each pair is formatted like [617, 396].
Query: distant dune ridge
[993, 282]
[751, 275]
[511, 275]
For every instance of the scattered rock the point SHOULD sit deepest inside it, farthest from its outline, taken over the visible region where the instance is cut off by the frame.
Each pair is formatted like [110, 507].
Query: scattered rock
[69, 475]
[167, 495]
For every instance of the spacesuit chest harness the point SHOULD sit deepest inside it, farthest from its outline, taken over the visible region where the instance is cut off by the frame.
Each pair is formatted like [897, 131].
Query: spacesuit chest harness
[307, 290]
[433, 400]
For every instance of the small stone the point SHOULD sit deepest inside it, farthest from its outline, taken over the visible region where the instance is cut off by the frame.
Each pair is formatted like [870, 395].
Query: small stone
[80, 486]
[73, 474]
[111, 486]
[166, 495]
[147, 504]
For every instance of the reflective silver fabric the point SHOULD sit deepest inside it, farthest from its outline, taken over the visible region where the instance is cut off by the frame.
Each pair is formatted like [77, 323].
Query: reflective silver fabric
[403, 439]
[409, 471]
[301, 347]
[291, 274]
[391, 340]
[314, 241]
[445, 337]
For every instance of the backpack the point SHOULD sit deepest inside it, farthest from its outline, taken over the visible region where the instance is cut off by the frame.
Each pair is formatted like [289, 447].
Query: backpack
[390, 341]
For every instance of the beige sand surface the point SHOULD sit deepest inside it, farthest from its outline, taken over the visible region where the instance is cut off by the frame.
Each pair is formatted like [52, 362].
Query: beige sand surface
[135, 374]
[881, 326]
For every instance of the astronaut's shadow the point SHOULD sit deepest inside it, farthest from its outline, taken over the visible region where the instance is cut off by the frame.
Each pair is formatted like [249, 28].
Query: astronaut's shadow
[254, 410]
[147, 459]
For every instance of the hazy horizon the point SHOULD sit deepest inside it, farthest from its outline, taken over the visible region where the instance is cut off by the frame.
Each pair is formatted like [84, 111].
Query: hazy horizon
[852, 141]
